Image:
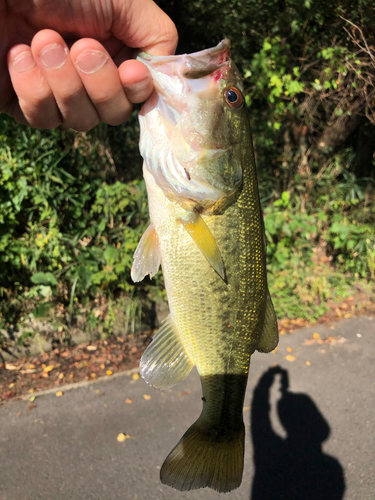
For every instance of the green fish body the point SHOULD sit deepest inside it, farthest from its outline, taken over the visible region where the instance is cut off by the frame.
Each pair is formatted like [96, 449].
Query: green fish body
[207, 232]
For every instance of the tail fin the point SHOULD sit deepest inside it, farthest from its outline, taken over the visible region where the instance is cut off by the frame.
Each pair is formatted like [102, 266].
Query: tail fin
[201, 460]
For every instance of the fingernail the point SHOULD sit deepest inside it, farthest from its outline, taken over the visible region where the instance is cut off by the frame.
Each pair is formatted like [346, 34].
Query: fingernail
[23, 61]
[91, 61]
[53, 56]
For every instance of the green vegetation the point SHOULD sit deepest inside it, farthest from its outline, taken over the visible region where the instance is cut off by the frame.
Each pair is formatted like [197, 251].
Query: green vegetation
[73, 206]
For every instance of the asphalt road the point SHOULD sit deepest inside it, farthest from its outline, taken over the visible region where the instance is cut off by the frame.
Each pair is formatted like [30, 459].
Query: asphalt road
[312, 440]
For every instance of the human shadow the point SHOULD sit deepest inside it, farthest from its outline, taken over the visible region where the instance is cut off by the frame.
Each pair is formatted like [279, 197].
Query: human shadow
[295, 467]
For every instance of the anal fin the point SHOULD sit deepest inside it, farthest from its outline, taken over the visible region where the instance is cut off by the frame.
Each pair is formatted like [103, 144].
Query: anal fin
[203, 238]
[147, 257]
[165, 362]
[269, 337]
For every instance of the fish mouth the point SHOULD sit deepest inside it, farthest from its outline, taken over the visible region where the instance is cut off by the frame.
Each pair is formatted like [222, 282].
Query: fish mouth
[196, 65]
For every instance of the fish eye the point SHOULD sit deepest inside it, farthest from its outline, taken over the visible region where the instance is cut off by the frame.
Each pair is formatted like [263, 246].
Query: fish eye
[233, 96]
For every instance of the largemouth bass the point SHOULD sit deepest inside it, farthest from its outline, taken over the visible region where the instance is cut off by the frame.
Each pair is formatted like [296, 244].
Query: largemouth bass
[207, 233]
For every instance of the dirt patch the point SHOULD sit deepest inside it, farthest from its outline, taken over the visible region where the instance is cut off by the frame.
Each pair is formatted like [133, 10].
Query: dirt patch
[62, 366]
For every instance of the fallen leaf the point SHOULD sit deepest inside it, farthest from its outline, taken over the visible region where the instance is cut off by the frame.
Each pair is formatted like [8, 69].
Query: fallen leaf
[273, 352]
[308, 363]
[146, 397]
[30, 391]
[48, 368]
[123, 437]
[102, 366]
[45, 374]
[61, 375]
[31, 367]
[184, 393]
[71, 375]
[32, 406]
[18, 414]
[91, 347]
[93, 375]
[289, 349]
[316, 336]
[290, 358]
[8, 366]
[135, 376]
[59, 393]
[32, 399]
[109, 373]
[11, 385]
[333, 327]
[129, 401]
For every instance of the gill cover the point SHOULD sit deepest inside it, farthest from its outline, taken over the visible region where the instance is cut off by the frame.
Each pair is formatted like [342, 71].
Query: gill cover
[189, 138]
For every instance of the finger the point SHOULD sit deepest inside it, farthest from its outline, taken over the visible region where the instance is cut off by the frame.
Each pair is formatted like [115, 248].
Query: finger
[101, 80]
[53, 59]
[144, 25]
[36, 105]
[136, 79]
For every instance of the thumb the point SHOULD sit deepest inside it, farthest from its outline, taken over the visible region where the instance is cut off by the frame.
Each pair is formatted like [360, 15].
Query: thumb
[142, 24]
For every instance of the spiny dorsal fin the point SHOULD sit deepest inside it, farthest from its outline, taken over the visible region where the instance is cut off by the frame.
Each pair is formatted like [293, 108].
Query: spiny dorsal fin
[202, 236]
[269, 337]
[165, 362]
[147, 257]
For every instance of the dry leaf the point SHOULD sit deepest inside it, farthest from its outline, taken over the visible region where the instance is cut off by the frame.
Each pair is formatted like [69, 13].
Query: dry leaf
[184, 393]
[102, 366]
[8, 366]
[48, 368]
[289, 349]
[32, 399]
[71, 375]
[60, 393]
[290, 357]
[308, 363]
[316, 336]
[11, 385]
[30, 391]
[128, 400]
[146, 397]
[123, 437]
[18, 414]
[135, 376]
[109, 373]
[31, 367]
[91, 348]
[61, 375]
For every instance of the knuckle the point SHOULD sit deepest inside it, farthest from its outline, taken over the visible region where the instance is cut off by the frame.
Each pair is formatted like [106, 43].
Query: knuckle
[40, 114]
[83, 125]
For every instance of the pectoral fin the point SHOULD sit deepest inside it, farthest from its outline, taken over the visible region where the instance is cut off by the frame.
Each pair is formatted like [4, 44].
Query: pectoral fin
[147, 257]
[165, 362]
[270, 335]
[202, 236]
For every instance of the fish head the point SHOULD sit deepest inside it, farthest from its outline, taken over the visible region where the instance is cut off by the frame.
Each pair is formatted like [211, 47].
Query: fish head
[194, 125]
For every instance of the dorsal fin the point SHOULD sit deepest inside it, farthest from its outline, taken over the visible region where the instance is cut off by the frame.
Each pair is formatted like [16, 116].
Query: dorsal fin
[269, 337]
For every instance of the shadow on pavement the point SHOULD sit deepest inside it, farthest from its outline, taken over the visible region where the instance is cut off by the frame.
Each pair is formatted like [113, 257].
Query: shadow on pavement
[294, 467]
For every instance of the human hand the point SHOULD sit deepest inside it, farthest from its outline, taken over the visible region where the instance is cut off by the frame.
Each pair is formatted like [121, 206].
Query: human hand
[68, 61]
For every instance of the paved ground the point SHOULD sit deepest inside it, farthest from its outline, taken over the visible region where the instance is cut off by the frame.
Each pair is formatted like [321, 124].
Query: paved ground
[316, 440]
